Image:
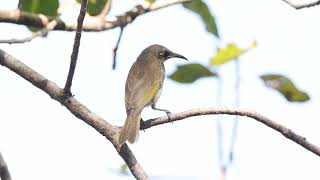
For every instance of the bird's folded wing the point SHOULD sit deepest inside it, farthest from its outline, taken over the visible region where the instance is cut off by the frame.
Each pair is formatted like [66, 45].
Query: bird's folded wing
[141, 92]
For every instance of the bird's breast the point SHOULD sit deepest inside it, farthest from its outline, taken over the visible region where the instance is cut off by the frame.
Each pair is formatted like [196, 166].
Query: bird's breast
[156, 98]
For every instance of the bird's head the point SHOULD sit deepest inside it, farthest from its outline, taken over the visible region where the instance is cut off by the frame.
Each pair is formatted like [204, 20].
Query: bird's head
[162, 53]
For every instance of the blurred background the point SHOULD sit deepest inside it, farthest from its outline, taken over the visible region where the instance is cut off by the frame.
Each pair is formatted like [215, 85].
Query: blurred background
[256, 43]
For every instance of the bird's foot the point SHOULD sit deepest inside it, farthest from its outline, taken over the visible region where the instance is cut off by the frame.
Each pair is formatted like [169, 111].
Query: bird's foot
[169, 116]
[142, 125]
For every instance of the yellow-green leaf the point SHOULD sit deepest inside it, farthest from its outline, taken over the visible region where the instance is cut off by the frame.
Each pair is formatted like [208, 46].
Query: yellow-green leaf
[190, 73]
[285, 86]
[201, 8]
[230, 52]
[150, 1]
[95, 6]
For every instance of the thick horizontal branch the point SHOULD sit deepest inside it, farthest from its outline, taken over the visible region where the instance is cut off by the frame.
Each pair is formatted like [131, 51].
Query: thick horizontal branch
[4, 171]
[288, 133]
[300, 6]
[76, 108]
[97, 23]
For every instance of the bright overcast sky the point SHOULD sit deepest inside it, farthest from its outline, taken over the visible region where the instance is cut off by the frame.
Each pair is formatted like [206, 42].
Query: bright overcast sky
[40, 139]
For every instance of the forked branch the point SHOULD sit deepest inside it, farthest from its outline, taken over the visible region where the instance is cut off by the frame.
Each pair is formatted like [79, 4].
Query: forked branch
[76, 108]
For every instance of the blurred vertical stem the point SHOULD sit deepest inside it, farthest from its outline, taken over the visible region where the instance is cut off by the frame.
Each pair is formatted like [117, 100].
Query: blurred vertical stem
[236, 118]
[219, 128]
[224, 165]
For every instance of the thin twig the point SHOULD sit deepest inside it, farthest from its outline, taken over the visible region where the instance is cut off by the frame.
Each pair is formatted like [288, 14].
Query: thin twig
[41, 32]
[75, 50]
[92, 24]
[76, 108]
[105, 11]
[300, 6]
[115, 49]
[4, 171]
[288, 133]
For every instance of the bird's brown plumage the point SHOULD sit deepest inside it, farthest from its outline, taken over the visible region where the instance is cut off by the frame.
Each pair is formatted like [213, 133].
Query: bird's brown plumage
[143, 87]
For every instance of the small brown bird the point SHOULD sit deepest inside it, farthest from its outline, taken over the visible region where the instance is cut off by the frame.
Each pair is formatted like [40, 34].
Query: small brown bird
[143, 88]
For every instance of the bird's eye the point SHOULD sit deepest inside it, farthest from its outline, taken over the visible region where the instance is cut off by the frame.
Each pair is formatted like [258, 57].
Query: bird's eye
[165, 53]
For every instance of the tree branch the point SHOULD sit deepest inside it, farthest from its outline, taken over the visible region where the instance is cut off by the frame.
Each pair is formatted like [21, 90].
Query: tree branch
[92, 23]
[39, 33]
[75, 50]
[76, 108]
[4, 171]
[300, 6]
[288, 133]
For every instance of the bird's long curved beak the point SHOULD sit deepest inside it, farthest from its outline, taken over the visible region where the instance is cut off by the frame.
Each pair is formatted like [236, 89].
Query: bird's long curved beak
[178, 56]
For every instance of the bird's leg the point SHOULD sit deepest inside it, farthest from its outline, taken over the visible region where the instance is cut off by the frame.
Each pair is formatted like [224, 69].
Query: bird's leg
[153, 106]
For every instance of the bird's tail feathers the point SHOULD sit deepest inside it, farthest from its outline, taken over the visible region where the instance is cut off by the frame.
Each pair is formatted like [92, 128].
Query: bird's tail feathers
[130, 129]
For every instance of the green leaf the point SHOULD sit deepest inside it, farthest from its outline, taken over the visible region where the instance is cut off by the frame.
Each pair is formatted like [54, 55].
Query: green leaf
[95, 6]
[230, 52]
[199, 7]
[45, 7]
[190, 73]
[285, 86]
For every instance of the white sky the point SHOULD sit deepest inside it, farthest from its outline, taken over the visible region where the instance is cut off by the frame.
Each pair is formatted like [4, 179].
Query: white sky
[40, 139]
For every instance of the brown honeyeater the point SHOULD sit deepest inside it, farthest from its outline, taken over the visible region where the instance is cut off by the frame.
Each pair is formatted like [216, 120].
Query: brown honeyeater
[143, 87]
